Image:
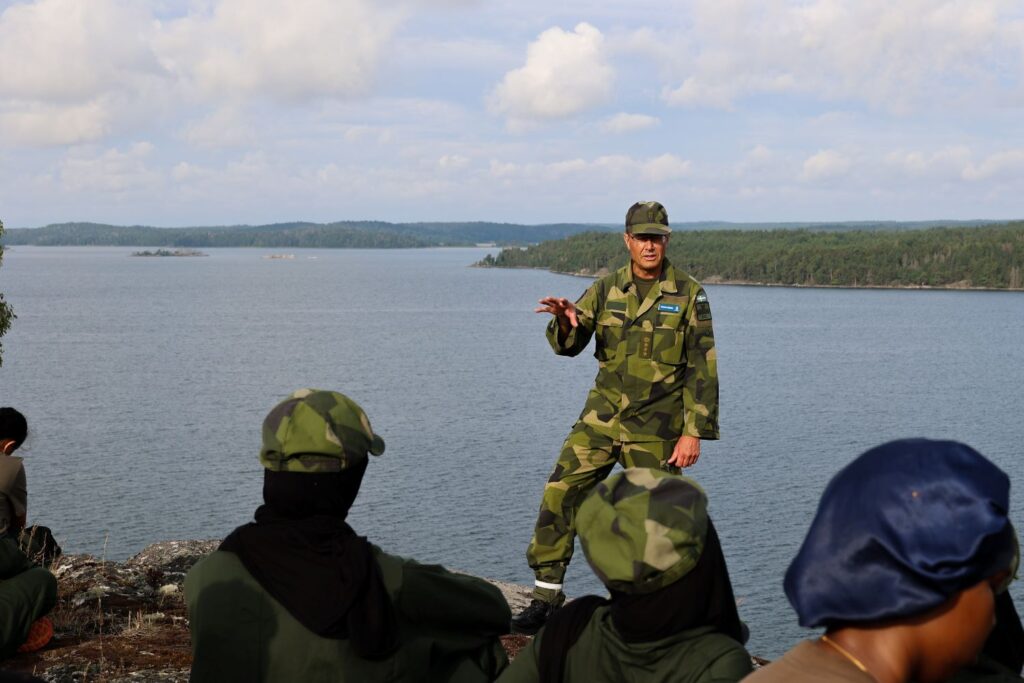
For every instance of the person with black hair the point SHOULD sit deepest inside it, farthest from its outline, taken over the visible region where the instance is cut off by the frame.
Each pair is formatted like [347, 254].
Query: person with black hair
[13, 486]
[27, 592]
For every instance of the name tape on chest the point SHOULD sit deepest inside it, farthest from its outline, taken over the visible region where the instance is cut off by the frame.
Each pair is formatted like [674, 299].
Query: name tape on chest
[668, 308]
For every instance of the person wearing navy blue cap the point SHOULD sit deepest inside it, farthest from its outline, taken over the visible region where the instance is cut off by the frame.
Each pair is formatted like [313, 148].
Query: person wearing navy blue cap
[902, 564]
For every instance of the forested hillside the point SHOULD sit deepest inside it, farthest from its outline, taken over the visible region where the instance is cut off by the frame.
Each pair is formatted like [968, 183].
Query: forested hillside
[990, 257]
[347, 234]
[382, 235]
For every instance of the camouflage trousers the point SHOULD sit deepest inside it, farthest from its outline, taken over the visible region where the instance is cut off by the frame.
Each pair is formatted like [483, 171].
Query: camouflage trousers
[587, 458]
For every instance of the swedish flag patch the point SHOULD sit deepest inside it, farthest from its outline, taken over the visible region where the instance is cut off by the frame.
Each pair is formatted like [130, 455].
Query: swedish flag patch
[702, 305]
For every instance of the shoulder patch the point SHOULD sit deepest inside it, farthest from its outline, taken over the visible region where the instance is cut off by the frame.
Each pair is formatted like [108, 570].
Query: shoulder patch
[703, 308]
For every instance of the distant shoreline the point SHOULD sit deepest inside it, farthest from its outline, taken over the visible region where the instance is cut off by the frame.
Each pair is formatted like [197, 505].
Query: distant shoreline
[742, 283]
[13, 247]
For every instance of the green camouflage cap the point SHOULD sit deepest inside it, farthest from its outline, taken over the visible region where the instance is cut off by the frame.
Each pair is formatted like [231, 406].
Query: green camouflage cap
[317, 431]
[647, 218]
[643, 529]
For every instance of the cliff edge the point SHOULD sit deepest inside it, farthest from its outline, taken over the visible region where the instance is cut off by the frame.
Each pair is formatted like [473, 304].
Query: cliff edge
[126, 621]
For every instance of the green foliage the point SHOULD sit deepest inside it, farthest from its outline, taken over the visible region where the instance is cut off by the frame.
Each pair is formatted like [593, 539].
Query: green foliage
[6, 314]
[989, 257]
[346, 235]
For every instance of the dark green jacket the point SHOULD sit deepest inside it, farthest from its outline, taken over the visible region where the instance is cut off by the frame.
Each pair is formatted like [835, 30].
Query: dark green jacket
[658, 372]
[695, 656]
[27, 592]
[449, 629]
[985, 670]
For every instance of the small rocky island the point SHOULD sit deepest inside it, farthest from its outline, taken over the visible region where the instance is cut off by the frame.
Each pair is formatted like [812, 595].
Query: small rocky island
[169, 252]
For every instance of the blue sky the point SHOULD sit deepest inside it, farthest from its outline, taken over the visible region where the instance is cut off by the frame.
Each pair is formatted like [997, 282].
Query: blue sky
[255, 111]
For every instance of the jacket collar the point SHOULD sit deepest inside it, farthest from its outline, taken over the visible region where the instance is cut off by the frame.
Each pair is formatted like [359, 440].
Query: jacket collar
[667, 279]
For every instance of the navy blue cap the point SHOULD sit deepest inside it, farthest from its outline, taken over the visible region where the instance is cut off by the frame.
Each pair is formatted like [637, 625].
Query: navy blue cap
[900, 530]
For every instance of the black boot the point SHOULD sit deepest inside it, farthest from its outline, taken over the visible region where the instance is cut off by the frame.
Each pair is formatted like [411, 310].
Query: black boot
[531, 619]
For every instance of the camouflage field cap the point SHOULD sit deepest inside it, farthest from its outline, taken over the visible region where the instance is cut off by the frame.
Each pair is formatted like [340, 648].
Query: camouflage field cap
[647, 218]
[643, 529]
[317, 431]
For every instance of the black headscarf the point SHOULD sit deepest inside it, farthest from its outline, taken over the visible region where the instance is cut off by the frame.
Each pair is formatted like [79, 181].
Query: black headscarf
[302, 552]
[1006, 642]
[703, 597]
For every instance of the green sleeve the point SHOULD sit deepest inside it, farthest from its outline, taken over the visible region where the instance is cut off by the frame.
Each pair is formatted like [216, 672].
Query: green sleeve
[12, 560]
[984, 670]
[19, 494]
[732, 666]
[578, 337]
[431, 593]
[523, 668]
[460, 616]
[700, 378]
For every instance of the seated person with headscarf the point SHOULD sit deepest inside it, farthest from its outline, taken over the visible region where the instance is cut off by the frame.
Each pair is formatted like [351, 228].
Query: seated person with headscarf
[298, 596]
[902, 564]
[672, 614]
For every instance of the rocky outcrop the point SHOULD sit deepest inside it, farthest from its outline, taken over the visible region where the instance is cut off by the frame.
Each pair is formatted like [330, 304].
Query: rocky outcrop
[126, 621]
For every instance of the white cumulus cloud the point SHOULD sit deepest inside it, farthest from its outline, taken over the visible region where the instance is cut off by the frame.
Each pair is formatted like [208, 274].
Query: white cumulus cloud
[72, 51]
[43, 124]
[825, 165]
[566, 72]
[611, 167]
[627, 123]
[110, 172]
[73, 71]
[894, 56]
[452, 162]
[69, 71]
[665, 167]
[1006, 163]
[946, 162]
[284, 50]
[224, 127]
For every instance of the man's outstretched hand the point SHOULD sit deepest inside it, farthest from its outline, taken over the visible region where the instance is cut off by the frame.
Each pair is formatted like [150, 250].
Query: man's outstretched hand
[563, 310]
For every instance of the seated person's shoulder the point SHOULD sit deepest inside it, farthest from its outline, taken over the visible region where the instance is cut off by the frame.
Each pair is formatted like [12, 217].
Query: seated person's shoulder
[432, 593]
[218, 566]
[727, 660]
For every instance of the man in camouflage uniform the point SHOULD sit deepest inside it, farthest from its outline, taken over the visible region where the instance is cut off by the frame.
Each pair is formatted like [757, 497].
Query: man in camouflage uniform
[655, 396]
[299, 596]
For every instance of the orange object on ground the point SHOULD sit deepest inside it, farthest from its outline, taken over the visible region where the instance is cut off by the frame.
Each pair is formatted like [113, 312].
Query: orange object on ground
[39, 634]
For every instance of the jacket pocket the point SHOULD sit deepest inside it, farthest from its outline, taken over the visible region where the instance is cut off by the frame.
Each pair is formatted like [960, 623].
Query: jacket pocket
[609, 330]
[668, 346]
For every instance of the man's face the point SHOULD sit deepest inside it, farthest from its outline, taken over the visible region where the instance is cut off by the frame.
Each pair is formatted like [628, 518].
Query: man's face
[647, 252]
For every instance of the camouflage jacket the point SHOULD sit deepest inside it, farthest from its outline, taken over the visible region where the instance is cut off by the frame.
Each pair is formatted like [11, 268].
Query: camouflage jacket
[657, 375]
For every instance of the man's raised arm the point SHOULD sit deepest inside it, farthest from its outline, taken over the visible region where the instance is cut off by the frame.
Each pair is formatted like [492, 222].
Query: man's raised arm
[572, 324]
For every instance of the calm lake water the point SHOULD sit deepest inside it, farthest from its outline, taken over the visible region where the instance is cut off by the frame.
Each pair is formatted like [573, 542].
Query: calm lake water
[145, 381]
